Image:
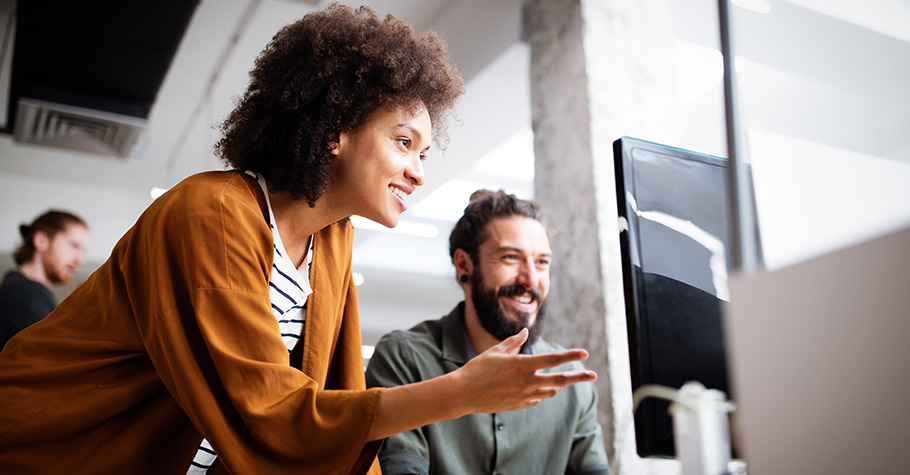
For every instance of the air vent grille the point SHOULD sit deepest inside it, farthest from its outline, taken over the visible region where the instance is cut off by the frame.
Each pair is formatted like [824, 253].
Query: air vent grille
[77, 128]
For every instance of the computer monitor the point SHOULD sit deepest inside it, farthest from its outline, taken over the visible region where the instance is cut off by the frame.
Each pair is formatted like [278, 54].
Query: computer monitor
[674, 206]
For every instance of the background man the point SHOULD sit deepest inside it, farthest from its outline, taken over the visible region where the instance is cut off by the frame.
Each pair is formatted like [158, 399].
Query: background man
[53, 248]
[502, 256]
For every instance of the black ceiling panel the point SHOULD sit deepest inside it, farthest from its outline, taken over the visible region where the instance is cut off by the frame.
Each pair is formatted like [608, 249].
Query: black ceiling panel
[100, 54]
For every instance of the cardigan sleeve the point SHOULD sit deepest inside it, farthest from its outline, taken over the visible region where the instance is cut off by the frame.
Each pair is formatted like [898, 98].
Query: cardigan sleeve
[407, 453]
[215, 344]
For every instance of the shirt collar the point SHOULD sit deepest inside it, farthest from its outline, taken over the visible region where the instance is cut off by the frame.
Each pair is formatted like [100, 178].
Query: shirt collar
[456, 344]
[453, 336]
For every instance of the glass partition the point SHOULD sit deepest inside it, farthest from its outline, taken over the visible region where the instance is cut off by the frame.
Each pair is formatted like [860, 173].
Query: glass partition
[824, 109]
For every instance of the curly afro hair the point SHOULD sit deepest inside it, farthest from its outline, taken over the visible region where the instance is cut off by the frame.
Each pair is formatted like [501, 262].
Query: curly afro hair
[323, 75]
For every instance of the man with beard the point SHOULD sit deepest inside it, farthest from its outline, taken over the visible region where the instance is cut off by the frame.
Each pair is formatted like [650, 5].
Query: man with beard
[502, 256]
[53, 248]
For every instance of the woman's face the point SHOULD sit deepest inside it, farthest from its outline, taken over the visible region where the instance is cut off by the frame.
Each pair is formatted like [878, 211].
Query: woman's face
[379, 164]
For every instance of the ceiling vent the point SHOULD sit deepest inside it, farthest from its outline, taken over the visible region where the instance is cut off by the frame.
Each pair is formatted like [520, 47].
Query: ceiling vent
[77, 128]
[84, 75]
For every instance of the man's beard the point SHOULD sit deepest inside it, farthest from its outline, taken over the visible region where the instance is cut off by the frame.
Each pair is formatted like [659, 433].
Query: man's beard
[56, 273]
[493, 318]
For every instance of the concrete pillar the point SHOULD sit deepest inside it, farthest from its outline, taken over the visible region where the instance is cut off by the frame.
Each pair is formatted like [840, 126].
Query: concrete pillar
[600, 69]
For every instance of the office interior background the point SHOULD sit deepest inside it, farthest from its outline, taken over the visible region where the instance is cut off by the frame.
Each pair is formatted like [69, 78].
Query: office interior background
[823, 97]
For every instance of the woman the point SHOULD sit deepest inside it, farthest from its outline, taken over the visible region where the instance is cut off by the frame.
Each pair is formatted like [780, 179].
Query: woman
[228, 311]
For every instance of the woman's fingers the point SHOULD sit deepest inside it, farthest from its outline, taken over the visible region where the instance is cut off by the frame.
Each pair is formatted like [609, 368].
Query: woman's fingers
[550, 360]
[512, 344]
[565, 378]
[547, 385]
[502, 380]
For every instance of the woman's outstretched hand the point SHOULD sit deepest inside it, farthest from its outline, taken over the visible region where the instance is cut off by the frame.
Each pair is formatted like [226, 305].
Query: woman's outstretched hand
[497, 380]
[500, 379]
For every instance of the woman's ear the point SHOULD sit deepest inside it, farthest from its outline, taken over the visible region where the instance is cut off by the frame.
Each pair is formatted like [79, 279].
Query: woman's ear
[337, 145]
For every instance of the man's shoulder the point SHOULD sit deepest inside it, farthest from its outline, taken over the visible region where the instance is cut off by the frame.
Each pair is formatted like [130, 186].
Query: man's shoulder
[16, 284]
[12, 278]
[423, 336]
[407, 356]
[23, 298]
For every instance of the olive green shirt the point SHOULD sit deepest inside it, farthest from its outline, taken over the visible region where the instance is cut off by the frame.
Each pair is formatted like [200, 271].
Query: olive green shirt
[559, 435]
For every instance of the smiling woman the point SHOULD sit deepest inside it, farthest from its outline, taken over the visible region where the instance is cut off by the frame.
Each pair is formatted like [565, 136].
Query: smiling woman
[396, 140]
[222, 335]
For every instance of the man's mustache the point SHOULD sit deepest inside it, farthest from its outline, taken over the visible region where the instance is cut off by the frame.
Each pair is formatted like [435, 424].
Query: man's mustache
[513, 290]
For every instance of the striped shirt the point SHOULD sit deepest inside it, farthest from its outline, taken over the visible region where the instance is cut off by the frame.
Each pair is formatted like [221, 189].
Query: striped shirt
[289, 287]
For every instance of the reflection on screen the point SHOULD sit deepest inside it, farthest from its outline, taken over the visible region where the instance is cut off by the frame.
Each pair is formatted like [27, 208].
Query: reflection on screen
[675, 274]
[682, 218]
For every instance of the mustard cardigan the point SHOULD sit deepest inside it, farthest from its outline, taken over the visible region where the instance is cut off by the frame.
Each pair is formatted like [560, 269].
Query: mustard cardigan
[173, 339]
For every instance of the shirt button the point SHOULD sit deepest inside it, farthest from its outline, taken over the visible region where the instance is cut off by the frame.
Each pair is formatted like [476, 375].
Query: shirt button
[500, 426]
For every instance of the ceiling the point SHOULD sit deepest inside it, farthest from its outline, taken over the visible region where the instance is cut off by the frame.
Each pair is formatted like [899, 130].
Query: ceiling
[174, 67]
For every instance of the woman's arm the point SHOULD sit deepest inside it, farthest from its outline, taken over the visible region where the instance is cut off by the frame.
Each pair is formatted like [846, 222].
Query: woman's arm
[497, 380]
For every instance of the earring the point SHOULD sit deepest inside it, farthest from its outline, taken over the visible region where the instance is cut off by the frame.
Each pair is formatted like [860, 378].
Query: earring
[463, 278]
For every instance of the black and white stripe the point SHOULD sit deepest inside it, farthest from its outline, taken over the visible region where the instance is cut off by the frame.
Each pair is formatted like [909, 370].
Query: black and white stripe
[289, 288]
[203, 460]
[288, 291]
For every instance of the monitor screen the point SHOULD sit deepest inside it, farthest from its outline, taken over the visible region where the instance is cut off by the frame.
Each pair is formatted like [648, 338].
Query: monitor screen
[674, 206]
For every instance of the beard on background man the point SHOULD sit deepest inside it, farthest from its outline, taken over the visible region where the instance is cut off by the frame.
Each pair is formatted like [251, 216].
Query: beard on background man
[493, 318]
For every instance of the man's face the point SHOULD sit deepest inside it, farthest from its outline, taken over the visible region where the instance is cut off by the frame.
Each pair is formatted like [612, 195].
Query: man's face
[511, 278]
[65, 253]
